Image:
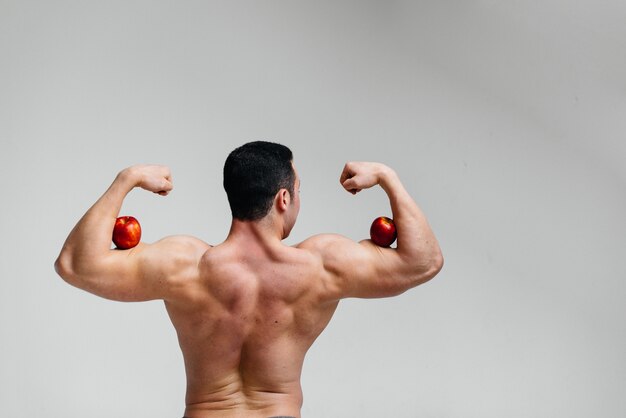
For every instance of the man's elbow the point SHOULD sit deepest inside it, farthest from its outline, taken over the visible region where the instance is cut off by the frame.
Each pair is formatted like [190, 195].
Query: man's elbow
[63, 267]
[437, 264]
[426, 271]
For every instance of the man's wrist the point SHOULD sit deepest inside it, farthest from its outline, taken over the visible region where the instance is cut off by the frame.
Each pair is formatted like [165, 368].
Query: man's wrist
[386, 177]
[129, 177]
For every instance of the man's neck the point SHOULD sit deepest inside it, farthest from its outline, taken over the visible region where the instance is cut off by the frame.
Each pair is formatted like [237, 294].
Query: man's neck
[263, 233]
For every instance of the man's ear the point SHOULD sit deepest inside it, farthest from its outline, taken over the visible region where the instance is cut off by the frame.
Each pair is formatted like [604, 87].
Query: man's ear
[283, 198]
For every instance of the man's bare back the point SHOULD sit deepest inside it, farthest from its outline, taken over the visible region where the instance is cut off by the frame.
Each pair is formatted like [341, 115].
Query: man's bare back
[247, 311]
[245, 322]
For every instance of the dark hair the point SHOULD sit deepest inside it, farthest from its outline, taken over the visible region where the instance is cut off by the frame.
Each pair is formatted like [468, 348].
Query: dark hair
[253, 174]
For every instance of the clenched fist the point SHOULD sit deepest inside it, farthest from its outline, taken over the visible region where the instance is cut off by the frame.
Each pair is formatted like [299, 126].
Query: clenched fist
[357, 176]
[154, 178]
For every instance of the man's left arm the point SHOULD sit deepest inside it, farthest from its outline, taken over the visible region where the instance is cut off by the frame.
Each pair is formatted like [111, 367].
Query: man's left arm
[145, 272]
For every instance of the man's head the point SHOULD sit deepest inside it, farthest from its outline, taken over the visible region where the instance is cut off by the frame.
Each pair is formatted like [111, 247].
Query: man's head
[254, 174]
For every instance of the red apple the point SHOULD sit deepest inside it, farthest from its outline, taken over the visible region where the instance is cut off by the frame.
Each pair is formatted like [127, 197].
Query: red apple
[126, 232]
[383, 231]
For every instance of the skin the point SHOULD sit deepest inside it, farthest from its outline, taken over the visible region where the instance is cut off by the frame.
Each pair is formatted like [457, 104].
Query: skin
[247, 310]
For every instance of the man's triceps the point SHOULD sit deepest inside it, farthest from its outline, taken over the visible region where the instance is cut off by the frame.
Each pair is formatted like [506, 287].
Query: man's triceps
[361, 270]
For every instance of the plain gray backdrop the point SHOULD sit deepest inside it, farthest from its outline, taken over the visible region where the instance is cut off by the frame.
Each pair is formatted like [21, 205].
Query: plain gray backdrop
[505, 120]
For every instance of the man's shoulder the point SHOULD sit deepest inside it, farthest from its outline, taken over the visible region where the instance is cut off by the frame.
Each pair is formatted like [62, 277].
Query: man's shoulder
[178, 252]
[330, 248]
[184, 244]
[320, 242]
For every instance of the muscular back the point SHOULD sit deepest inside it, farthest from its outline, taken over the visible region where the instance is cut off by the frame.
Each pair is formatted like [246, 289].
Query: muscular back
[245, 323]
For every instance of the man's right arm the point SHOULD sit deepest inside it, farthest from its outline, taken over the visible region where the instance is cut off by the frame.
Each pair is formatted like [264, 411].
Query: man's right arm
[365, 270]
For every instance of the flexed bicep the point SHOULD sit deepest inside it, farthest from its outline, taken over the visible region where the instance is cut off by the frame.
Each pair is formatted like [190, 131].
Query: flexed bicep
[145, 272]
[358, 269]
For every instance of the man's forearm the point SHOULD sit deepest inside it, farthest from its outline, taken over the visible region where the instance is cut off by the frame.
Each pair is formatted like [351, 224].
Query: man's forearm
[90, 239]
[416, 240]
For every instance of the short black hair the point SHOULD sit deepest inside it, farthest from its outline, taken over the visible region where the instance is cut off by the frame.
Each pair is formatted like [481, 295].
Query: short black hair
[253, 174]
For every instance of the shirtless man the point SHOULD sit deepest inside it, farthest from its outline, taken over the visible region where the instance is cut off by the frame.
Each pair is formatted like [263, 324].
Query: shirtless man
[247, 310]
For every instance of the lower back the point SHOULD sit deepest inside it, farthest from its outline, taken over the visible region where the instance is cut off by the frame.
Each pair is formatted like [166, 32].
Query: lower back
[244, 402]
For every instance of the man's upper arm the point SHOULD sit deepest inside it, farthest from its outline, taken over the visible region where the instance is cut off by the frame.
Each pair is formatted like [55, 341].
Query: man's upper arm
[364, 270]
[145, 272]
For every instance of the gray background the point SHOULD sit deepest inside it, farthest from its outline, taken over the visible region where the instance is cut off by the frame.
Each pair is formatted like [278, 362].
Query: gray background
[505, 120]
